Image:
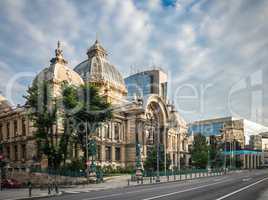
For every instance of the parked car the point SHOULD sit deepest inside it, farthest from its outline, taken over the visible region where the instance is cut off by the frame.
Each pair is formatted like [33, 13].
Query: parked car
[11, 183]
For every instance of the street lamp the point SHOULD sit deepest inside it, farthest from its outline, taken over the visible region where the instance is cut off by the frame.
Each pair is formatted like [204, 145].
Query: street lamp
[208, 164]
[157, 156]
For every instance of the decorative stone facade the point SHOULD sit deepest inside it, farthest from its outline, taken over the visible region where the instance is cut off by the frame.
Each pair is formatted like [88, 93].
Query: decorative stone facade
[135, 121]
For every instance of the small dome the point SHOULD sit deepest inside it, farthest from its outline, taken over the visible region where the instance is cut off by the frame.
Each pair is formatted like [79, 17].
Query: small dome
[4, 104]
[176, 120]
[97, 69]
[58, 71]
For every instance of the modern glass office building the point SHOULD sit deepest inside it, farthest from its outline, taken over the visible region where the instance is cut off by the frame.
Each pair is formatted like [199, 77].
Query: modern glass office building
[147, 82]
[139, 84]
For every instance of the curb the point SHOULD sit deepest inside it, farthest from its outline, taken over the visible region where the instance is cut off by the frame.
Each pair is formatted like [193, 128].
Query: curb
[36, 197]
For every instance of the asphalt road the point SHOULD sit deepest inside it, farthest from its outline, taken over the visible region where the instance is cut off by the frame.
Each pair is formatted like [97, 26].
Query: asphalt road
[238, 186]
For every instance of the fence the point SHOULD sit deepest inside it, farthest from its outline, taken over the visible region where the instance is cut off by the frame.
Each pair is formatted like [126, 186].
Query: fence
[151, 177]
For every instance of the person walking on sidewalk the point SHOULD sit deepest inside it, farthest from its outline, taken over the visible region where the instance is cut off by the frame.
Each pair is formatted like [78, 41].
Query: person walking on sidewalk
[29, 184]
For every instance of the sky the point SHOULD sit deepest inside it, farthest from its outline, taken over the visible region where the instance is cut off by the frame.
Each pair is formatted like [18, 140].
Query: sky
[214, 52]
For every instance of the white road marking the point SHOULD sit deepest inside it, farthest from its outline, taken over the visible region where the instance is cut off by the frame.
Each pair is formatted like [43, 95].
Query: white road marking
[138, 191]
[105, 196]
[241, 189]
[182, 191]
[247, 179]
[72, 192]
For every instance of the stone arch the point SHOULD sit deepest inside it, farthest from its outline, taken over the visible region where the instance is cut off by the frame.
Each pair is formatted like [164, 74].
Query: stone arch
[156, 119]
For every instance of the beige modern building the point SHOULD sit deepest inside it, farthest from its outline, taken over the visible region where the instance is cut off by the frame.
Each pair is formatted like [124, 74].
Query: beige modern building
[265, 148]
[135, 121]
[242, 136]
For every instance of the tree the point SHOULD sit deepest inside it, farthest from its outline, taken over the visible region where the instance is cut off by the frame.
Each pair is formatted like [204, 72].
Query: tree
[43, 110]
[87, 110]
[150, 163]
[200, 151]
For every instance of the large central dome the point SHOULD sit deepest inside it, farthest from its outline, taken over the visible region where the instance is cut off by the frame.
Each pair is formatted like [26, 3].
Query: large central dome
[97, 69]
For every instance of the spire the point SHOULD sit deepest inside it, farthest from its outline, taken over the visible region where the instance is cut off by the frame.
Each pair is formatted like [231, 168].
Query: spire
[58, 55]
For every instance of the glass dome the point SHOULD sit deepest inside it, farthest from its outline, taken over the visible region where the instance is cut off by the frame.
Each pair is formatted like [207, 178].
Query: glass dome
[97, 68]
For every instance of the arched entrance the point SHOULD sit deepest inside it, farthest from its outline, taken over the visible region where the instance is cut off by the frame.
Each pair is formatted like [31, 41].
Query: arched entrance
[155, 124]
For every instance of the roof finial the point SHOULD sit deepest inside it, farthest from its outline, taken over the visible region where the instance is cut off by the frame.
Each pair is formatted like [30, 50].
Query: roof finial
[58, 44]
[58, 51]
[58, 55]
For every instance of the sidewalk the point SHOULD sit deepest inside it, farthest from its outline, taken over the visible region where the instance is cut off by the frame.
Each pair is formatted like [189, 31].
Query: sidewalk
[110, 183]
[16, 194]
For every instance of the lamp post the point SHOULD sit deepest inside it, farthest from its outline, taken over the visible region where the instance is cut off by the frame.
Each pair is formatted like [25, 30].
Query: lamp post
[224, 154]
[138, 153]
[87, 164]
[157, 157]
[208, 165]
[179, 152]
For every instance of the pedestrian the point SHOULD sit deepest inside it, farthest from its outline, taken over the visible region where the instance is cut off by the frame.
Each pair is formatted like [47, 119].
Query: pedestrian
[29, 184]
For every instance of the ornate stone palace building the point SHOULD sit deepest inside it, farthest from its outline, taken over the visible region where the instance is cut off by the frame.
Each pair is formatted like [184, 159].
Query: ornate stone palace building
[135, 119]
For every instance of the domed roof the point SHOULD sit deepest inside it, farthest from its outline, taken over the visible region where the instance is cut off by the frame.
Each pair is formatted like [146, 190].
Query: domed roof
[175, 119]
[97, 69]
[4, 104]
[59, 72]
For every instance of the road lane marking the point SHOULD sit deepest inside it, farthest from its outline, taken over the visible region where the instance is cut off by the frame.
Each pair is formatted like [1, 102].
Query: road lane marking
[247, 179]
[148, 189]
[182, 191]
[242, 189]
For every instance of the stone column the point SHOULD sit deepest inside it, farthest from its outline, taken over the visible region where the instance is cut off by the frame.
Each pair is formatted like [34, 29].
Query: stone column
[102, 158]
[123, 155]
[251, 161]
[258, 160]
[113, 152]
[248, 161]
[255, 161]
[244, 161]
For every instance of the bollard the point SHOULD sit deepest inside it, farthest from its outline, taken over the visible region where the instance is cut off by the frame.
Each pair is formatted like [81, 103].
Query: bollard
[128, 182]
[56, 188]
[167, 178]
[30, 191]
[174, 177]
[151, 180]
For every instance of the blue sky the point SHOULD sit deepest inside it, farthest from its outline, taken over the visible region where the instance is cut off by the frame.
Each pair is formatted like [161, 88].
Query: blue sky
[215, 52]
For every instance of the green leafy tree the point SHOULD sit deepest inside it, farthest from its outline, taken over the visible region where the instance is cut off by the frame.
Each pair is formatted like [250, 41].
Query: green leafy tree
[43, 111]
[87, 110]
[150, 163]
[200, 151]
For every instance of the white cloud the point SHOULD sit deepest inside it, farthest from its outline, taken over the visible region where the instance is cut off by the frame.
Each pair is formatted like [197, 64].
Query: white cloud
[198, 42]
